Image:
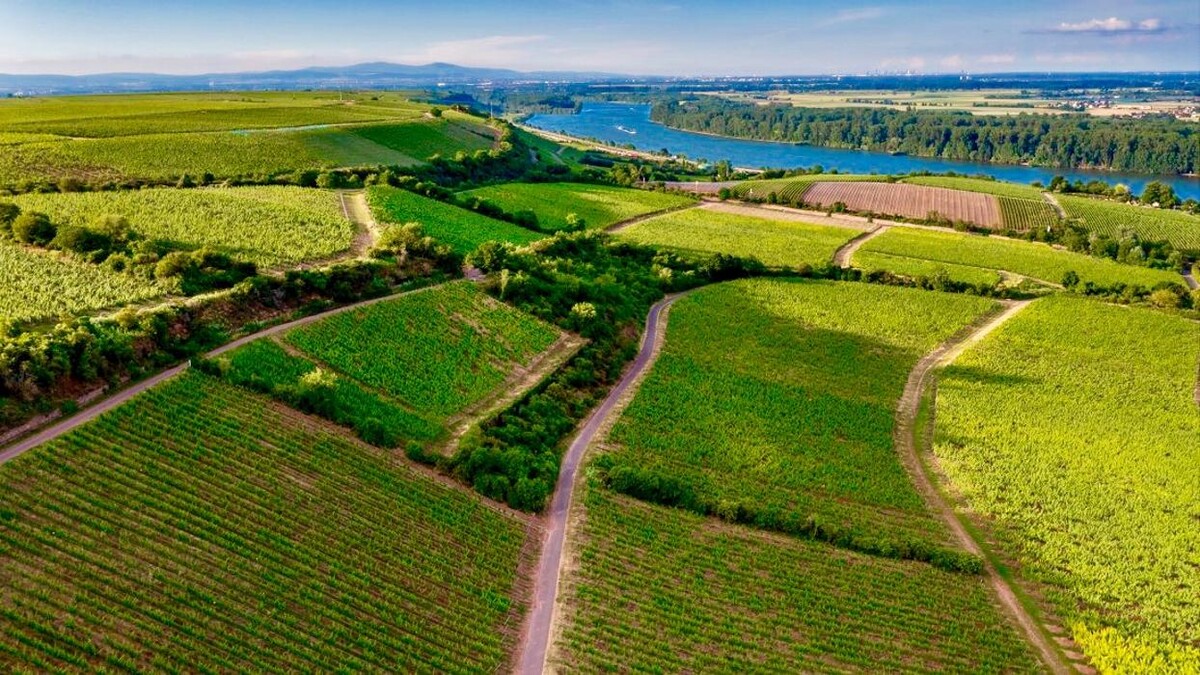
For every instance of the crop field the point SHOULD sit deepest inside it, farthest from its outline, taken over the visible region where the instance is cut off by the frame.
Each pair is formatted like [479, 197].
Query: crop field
[661, 590]
[992, 187]
[203, 528]
[1024, 215]
[37, 285]
[458, 228]
[916, 267]
[780, 396]
[125, 115]
[266, 366]
[791, 189]
[1073, 430]
[777, 243]
[1037, 261]
[437, 351]
[1109, 218]
[270, 226]
[908, 201]
[165, 136]
[599, 205]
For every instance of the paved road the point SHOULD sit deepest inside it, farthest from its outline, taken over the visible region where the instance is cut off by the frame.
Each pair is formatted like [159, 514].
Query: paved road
[54, 431]
[536, 640]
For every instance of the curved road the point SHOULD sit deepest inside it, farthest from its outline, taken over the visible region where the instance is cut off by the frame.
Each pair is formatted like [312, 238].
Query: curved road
[54, 431]
[536, 638]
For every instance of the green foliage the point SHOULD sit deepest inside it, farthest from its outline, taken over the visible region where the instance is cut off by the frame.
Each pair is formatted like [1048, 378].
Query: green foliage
[437, 351]
[916, 268]
[777, 243]
[269, 226]
[999, 188]
[774, 401]
[599, 206]
[1035, 260]
[1024, 215]
[1109, 218]
[201, 528]
[460, 229]
[32, 227]
[661, 590]
[1073, 430]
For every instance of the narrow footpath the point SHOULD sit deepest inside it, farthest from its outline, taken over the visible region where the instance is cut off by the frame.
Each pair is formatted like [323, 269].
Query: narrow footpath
[907, 445]
[83, 417]
[535, 639]
[845, 254]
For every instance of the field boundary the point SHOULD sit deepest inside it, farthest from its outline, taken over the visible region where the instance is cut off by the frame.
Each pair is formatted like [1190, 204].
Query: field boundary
[628, 222]
[1053, 201]
[908, 446]
[92, 412]
[844, 255]
[544, 615]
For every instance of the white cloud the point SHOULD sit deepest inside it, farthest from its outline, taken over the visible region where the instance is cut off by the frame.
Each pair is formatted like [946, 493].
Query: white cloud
[1110, 26]
[853, 15]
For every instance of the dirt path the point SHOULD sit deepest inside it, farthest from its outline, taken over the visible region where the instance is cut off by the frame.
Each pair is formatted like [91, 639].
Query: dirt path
[83, 417]
[1053, 201]
[907, 445]
[845, 254]
[617, 227]
[357, 211]
[539, 625]
[1190, 280]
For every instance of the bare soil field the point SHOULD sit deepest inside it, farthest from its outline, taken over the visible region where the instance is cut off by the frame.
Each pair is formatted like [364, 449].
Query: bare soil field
[908, 201]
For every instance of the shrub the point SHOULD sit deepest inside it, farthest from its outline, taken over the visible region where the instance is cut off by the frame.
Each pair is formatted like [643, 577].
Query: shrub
[33, 228]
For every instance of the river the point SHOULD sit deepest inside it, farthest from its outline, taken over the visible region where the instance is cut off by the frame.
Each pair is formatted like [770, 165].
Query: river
[624, 123]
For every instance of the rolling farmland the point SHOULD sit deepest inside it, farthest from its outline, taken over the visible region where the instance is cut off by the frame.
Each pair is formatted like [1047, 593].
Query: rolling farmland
[792, 189]
[201, 527]
[992, 187]
[1023, 215]
[1110, 218]
[1031, 259]
[270, 226]
[654, 589]
[786, 412]
[870, 260]
[777, 243]
[907, 201]
[599, 205]
[437, 351]
[1095, 503]
[460, 229]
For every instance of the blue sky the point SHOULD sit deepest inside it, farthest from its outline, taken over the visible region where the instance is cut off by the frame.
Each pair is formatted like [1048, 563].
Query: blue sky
[668, 37]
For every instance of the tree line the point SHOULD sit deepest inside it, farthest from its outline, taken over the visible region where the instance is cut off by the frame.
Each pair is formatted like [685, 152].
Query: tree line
[1148, 145]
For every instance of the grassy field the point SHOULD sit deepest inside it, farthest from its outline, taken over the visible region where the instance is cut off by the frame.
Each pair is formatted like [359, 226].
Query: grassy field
[778, 243]
[1031, 259]
[460, 229]
[661, 590]
[1105, 217]
[1073, 430]
[437, 351]
[203, 528]
[109, 138]
[792, 189]
[780, 396]
[916, 267]
[270, 226]
[36, 284]
[598, 205]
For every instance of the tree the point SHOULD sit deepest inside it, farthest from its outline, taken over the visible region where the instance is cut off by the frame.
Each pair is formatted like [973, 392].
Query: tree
[33, 228]
[1070, 279]
[1057, 184]
[1160, 195]
[8, 213]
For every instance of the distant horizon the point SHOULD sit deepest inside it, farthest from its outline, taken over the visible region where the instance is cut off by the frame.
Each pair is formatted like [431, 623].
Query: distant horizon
[652, 38]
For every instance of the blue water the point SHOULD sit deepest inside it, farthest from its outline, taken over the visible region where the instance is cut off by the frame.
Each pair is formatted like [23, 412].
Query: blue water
[614, 122]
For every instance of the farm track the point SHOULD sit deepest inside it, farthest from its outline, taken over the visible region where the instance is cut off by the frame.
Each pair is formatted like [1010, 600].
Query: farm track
[358, 211]
[617, 227]
[919, 381]
[541, 621]
[1049, 197]
[1190, 280]
[845, 254]
[770, 212]
[83, 417]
